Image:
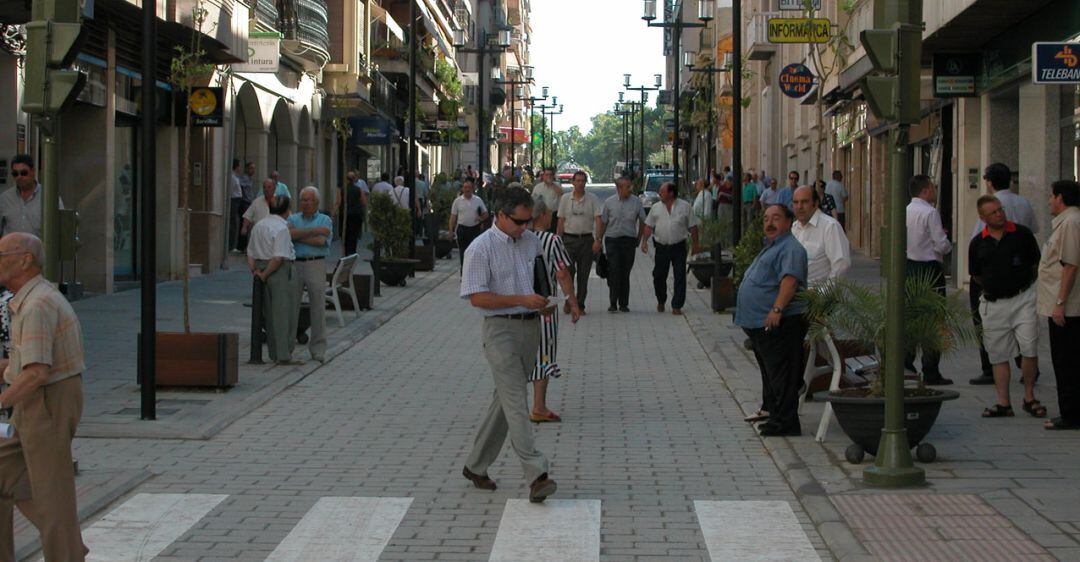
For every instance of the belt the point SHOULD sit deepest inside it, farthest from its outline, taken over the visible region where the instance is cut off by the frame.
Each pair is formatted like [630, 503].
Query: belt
[570, 235]
[994, 298]
[683, 241]
[311, 258]
[519, 316]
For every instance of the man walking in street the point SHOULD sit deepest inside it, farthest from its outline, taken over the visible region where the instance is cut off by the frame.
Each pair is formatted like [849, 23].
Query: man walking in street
[835, 187]
[350, 209]
[579, 218]
[400, 193]
[1004, 258]
[668, 225]
[383, 185]
[20, 207]
[270, 258]
[236, 201]
[766, 310]
[927, 246]
[749, 199]
[551, 193]
[1018, 210]
[1059, 299]
[622, 221]
[467, 216]
[311, 233]
[45, 389]
[260, 207]
[498, 279]
[827, 249]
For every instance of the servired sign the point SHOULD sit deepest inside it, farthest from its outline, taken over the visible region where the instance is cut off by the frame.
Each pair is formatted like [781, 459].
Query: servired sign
[796, 80]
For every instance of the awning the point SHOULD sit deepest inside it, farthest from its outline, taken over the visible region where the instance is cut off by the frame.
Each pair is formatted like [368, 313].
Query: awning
[381, 15]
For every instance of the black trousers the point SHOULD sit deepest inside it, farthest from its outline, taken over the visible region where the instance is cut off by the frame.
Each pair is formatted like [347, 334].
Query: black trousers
[779, 354]
[581, 258]
[620, 256]
[1066, 362]
[930, 359]
[670, 256]
[465, 235]
[236, 221]
[354, 228]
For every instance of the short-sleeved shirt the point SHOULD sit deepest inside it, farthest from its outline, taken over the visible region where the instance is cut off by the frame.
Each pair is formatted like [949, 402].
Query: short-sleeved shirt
[621, 216]
[703, 204]
[422, 188]
[1063, 247]
[1017, 209]
[580, 215]
[770, 197]
[235, 189]
[839, 194]
[258, 210]
[382, 187]
[468, 210]
[784, 196]
[1005, 267]
[761, 282]
[671, 227]
[549, 194]
[44, 329]
[828, 204]
[270, 239]
[247, 187]
[17, 215]
[749, 193]
[496, 263]
[316, 221]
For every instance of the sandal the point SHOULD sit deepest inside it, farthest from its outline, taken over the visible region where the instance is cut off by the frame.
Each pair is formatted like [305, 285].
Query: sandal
[1059, 424]
[1035, 408]
[998, 411]
[757, 416]
[550, 417]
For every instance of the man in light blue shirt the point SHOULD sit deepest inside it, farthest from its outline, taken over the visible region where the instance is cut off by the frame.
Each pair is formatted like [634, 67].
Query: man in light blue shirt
[785, 195]
[311, 233]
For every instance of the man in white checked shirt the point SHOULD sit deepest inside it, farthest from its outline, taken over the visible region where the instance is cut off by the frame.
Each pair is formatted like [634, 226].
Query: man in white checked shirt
[498, 279]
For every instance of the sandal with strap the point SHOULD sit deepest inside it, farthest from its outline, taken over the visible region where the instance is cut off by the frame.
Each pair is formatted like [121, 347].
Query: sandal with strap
[1035, 408]
[998, 411]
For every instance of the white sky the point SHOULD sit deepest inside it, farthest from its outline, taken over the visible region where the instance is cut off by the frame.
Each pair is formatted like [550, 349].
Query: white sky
[582, 48]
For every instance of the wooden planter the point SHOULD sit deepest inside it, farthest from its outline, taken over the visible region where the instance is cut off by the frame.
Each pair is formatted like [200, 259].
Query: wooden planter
[722, 293]
[426, 255]
[196, 359]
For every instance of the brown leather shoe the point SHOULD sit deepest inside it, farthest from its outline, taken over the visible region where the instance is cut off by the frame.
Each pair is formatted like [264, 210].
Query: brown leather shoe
[660, 307]
[541, 488]
[479, 480]
[676, 311]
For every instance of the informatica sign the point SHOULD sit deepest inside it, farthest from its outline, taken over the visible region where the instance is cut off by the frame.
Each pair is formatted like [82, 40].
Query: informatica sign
[799, 30]
[796, 80]
[1055, 63]
[263, 53]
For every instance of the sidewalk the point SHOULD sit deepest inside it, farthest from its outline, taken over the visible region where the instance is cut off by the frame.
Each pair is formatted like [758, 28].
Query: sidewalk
[1000, 488]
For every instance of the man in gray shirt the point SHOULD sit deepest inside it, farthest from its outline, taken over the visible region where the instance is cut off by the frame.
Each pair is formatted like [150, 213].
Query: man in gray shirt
[20, 208]
[622, 221]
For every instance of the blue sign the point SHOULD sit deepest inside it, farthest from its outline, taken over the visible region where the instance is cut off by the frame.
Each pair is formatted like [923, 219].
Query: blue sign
[371, 129]
[796, 80]
[1055, 63]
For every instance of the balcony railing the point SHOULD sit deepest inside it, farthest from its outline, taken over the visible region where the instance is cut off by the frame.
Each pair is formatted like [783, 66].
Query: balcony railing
[757, 36]
[266, 13]
[313, 24]
[384, 96]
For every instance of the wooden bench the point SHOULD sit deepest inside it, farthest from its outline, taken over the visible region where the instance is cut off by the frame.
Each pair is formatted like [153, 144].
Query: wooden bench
[342, 278]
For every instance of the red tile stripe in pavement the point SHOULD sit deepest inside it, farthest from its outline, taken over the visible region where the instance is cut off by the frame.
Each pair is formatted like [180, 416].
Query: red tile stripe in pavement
[902, 527]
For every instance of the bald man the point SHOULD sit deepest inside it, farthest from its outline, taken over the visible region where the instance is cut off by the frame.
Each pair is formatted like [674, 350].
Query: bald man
[827, 247]
[44, 375]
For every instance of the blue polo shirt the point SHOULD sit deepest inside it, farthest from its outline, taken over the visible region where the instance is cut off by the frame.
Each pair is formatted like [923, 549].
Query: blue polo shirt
[317, 220]
[761, 282]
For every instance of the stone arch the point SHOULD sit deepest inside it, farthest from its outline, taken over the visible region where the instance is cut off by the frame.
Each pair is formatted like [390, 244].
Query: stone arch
[282, 144]
[305, 153]
[249, 133]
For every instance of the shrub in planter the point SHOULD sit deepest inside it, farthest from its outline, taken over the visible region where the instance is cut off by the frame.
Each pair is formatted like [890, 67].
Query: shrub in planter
[392, 229]
[749, 246]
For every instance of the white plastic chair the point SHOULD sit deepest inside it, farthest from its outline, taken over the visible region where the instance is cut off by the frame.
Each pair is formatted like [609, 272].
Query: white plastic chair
[343, 278]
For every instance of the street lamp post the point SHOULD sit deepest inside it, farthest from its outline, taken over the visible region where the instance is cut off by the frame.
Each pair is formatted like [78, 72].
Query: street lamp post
[484, 48]
[712, 70]
[543, 128]
[532, 117]
[551, 125]
[644, 91]
[705, 13]
[527, 73]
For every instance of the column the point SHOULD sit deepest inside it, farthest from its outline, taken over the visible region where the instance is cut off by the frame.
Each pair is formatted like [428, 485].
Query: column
[1040, 148]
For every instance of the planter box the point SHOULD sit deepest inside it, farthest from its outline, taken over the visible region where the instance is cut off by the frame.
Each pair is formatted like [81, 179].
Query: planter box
[394, 271]
[862, 418]
[196, 359]
[425, 255]
[722, 293]
[444, 248]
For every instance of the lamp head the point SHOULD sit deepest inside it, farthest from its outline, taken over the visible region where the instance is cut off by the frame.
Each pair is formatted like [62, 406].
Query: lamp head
[688, 59]
[504, 38]
[626, 80]
[621, 96]
[706, 10]
[459, 38]
[545, 91]
[649, 13]
[659, 80]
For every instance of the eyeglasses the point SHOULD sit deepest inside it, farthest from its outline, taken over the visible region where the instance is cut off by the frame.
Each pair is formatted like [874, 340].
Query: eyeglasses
[17, 173]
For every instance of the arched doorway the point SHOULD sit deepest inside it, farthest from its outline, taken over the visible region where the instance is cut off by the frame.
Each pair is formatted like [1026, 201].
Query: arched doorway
[281, 153]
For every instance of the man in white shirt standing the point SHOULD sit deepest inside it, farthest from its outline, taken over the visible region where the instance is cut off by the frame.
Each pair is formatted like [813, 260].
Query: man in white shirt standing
[400, 193]
[550, 192]
[835, 187]
[668, 225]
[270, 257]
[260, 207]
[827, 249]
[927, 245]
[383, 185]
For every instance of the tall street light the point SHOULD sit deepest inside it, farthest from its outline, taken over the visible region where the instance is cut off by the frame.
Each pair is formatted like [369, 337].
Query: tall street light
[658, 81]
[705, 14]
[543, 128]
[526, 72]
[487, 44]
[622, 109]
[532, 117]
[551, 125]
[712, 69]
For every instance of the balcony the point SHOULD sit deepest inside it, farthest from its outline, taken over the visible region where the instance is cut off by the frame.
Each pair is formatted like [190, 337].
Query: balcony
[757, 36]
[304, 25]
[384, 96]
[266, 13]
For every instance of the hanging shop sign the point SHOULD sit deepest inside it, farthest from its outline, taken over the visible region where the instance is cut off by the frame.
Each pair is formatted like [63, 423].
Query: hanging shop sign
[1055, 63]
[206, 107]
[954, 74]
[263, 53]
[799, 30]
[796, 80]
[798, 5]
[370, 129]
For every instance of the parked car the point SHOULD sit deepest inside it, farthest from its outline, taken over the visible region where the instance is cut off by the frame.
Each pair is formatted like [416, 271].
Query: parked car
[650, 193]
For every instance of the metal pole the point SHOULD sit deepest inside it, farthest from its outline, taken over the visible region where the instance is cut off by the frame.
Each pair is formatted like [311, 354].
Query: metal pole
[709, 168]
[148, 210]
[480, 133]
[676, 40]
[513, 125]
[532, 117]
[543, 136]
[50, 227]
[736, 119]
[554, 159]
[414, 40]
[641, 139]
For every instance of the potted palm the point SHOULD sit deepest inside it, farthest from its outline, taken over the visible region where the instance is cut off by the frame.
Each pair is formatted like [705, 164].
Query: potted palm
[713, 234]
[442, 198]
[931, 321]
[392, 229]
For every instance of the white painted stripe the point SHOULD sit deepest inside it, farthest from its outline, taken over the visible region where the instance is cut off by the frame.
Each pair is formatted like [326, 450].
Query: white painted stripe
[340, 529]
[144, 525]
[752, 530]
[554, 530]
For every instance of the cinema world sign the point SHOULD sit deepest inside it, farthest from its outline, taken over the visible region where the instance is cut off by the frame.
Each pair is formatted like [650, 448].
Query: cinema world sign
[796, 80]
[799, 30]
[1055, 63]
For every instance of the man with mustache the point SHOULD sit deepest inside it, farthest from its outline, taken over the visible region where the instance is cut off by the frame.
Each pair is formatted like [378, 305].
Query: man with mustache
[766, 310]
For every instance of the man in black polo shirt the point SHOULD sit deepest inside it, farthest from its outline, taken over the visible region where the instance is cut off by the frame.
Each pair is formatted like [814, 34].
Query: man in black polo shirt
[1004, 261]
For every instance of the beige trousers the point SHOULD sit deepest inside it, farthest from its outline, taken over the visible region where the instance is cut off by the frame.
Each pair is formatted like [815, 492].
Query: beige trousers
[312, 275]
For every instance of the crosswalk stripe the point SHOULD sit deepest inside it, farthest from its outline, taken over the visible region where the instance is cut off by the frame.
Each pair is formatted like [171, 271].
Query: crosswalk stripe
[553, 530]
[141, 527]
[752, 530]
[343, 529]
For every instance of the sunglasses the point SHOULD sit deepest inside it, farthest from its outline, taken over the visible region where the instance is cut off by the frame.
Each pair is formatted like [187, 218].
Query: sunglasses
[17, 173]
[520, 222]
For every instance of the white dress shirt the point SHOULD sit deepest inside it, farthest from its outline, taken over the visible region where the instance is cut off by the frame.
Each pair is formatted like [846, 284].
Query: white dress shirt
[382, 187]
[270, 239]
[1017, 209]
[671, 227]
[468, 210]
[550, 194]
[257, 210]
[926, 240]
[496, 263]
[839, 194]
[400, 195]
[827, 248]
[703, 204]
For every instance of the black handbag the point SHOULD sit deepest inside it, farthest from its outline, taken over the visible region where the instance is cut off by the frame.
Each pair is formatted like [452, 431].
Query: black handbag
[602, 266]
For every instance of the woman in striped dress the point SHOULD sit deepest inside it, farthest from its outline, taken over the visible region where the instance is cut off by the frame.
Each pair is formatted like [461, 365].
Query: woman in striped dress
[556, 263]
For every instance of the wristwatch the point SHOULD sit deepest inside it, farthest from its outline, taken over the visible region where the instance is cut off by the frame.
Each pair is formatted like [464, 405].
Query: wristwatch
[776, 309]
[1059, 302]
